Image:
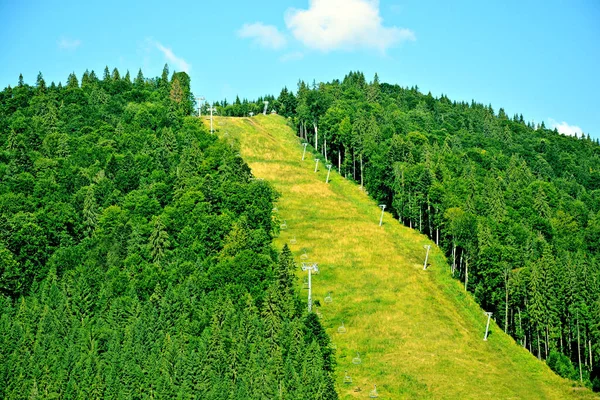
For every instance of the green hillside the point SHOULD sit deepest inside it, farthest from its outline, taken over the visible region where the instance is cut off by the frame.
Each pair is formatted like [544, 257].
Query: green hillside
[417, 333]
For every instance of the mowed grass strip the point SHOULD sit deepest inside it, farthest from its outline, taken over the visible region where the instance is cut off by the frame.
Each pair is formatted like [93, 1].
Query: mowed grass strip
[417, 333]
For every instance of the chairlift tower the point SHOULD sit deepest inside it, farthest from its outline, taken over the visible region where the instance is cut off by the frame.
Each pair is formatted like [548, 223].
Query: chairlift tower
[382, 206]
[304, 151]
[266, 105]
[316, 164]
[310, 268]
[199, 100]
[487, 327]
[328, 172]
[426, 247]
[211, 109]
[251, 114]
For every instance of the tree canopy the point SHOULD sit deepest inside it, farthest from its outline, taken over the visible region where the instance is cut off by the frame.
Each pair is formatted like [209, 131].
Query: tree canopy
[135, 253]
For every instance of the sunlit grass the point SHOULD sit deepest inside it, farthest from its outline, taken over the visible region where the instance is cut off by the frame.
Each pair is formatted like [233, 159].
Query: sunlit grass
[418, 334]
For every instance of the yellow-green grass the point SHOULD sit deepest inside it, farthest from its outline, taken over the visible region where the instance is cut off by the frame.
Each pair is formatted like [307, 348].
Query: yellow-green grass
[418, 333]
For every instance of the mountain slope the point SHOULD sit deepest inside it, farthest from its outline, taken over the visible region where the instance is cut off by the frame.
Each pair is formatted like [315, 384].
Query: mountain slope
[417, 332]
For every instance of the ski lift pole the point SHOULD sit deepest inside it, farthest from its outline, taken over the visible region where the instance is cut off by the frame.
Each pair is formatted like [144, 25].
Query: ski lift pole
[310, 268]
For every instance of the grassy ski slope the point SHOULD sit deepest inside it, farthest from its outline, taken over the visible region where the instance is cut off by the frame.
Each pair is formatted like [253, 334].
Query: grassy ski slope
[417, 333]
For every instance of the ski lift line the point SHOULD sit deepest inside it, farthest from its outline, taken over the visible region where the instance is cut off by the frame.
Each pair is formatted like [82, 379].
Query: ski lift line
[328, 172]
[211, 109]
[382, 206]
[314, 267]
[199, 101]
[487, 327]
[426, 247]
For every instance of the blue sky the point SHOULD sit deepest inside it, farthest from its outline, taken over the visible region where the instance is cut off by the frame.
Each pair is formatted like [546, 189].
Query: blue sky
[538, 58]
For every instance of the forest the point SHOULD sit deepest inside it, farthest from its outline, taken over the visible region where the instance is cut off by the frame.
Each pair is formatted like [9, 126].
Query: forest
[136, 256]
[514, 205]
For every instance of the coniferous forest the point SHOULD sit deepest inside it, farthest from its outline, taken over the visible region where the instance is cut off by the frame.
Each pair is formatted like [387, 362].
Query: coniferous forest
[515, 206]
[135, 253]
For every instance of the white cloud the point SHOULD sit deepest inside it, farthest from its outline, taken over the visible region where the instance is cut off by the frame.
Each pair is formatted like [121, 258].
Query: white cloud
[293, 56]
[267, 36]
[179, 63]
[344, 24]
[566, 129]
[68, 44]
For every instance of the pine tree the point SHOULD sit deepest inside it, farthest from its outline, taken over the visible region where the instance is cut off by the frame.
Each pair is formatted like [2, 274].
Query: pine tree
[72, 81]
[159, 241]
[40, 83]
[115, 75]
[139, 80]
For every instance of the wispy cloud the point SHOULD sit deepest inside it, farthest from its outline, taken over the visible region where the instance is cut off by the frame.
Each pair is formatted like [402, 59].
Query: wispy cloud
[179, 63]
[267, 36]
[566, 129]
[68, 44]
[344, 24]
[293, 56]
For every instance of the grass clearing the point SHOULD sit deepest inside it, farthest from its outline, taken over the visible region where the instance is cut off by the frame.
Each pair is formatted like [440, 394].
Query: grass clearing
[418, 333]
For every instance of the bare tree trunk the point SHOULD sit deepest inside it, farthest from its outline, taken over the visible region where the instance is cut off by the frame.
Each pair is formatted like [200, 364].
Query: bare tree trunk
[453, 257]
[429, 217]
[409, 212]
[547, 340]
[437, 236]
[305, 132]
[579, 352]
[325, 146]
[345, 163]
[340, 162]
[585, 342]
[539, 347]
[506, 301]
[466, 272]
[561, 341]
[591, 359]
[353, 165]
[521, 328]
[361, 173]
[420, 218]
[569, 339]
[316, 137]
